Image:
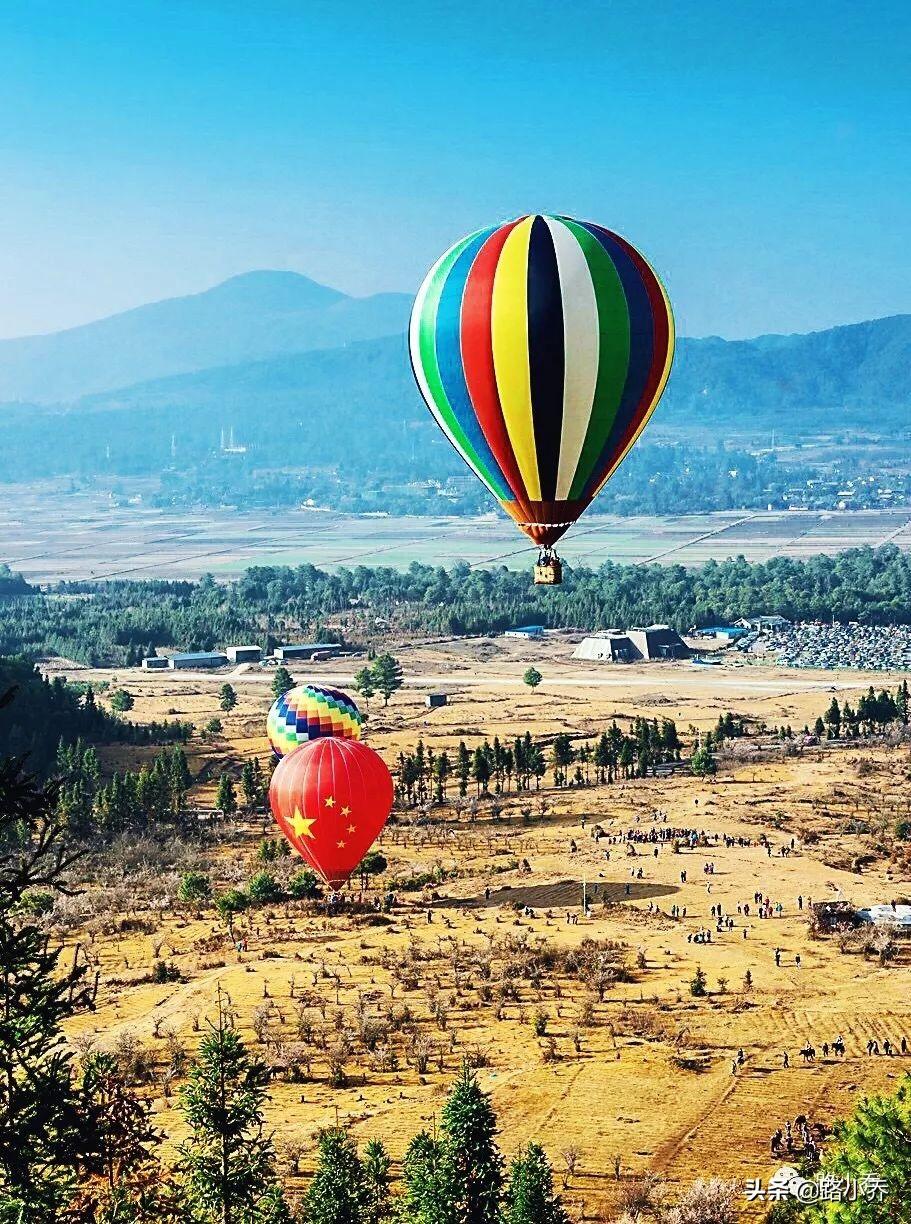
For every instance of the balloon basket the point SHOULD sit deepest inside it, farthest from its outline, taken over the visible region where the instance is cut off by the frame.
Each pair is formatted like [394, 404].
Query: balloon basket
[548, 570]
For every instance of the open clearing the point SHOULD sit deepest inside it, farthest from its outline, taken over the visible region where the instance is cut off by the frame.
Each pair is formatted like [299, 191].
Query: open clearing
[645, 1077]
[48, 535]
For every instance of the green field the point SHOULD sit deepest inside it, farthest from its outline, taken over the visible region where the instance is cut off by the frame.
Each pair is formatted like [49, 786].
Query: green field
[48, 535]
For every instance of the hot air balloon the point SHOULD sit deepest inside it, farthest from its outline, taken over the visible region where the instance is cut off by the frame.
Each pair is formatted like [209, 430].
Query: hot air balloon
[542, 347]
[309, 712]
[331, 798]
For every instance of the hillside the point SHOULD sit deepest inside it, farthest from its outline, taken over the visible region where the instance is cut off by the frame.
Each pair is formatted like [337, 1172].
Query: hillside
[356, 408]
[247, 318]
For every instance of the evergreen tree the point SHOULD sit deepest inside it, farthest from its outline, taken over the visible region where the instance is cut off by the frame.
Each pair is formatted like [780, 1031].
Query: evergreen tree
[226, 798]
[424, 1199]
[530, 1197]
[121, 1142]
[227, 699]
[226, 1167]
[703, 761]
[463, 768]
[472, 1166]
[40, 1127]
[339, 1192]
[875, 1143]
[376, 1175]
[364, 684]
[281, 682]
[387, 676]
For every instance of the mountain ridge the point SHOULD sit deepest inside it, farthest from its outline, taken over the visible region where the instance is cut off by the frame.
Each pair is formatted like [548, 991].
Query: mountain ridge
[252, 316]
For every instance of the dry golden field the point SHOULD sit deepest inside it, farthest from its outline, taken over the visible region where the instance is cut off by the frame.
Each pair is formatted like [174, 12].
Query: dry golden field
[640, 1079]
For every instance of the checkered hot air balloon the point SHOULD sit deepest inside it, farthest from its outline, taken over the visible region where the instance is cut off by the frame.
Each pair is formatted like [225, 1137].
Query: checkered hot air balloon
[542, 347]
[311, 712]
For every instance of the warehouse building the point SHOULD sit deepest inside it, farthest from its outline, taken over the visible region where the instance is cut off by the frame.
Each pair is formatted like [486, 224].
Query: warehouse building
[244, 654]
[198, 658]
[306, 650]
[155, 663]
[613, 646]
[656, 642]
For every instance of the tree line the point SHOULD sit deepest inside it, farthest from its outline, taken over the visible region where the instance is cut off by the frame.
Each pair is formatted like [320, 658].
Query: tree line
[427, 777]
[120, 622]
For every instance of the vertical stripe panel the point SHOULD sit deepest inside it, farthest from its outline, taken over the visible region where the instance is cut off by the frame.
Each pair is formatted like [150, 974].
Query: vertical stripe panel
[660, 372]
[422, 346]
[509, 331]
[546, 358]
[614, 332]
[581, 348]
[639, 362]
[477, 357]
[448, 337]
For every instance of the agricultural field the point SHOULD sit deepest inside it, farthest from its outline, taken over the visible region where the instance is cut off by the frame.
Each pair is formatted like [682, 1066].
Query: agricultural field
[585, 1031]
[48, 534]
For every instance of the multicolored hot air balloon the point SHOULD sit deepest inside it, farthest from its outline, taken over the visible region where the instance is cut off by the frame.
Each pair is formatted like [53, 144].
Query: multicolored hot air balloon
[331, 798]
[309, 712]
[542, 348]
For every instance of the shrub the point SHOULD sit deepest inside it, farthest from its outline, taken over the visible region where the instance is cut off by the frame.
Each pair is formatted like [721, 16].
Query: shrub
[697, 985]
[303, 886]
[264, 889]
[194, 888]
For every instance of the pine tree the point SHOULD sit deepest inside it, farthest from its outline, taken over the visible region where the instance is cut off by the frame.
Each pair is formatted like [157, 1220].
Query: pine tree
[472, 1166]
[463, 768]
[530, 1197]
[121, 1141]
[226, 798]
[281, 682]
[423, 1199]
[338, 1193]
[364, 684]
[227, 1165]
[227, 698]
[376, 1173]
[875, 1143]
[387, 676]
[40, 1127]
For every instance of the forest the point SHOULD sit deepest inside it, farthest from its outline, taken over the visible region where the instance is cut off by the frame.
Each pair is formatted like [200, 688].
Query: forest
[117, 623]
[37, 714]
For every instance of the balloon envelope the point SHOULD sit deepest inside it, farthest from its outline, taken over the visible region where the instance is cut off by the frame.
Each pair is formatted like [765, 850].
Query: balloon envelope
[331, 799]
[310, 712]
[542, 348]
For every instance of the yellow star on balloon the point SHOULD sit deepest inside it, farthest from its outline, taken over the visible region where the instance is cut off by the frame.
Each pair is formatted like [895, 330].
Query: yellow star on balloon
[341, 845]
[346, 811]
[301, 825]
[330, 802]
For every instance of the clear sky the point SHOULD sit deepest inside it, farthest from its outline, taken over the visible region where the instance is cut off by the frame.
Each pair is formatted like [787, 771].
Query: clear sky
[757, 152]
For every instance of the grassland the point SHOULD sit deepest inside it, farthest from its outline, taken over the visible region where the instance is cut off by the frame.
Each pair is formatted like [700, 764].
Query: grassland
[642, 1076]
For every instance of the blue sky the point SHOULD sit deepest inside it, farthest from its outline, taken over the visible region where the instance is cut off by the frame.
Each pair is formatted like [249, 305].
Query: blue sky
[757, 152]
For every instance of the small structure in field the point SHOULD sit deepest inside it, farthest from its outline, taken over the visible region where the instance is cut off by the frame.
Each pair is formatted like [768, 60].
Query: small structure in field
[434, 701]
[526, 632]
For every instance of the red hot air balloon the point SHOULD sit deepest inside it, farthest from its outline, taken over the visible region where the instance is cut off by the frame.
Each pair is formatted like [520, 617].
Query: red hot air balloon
[331, 799]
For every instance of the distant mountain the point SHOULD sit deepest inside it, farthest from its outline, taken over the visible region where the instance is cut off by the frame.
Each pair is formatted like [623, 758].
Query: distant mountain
[247, 318]
[861, 371]
[355, 408]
